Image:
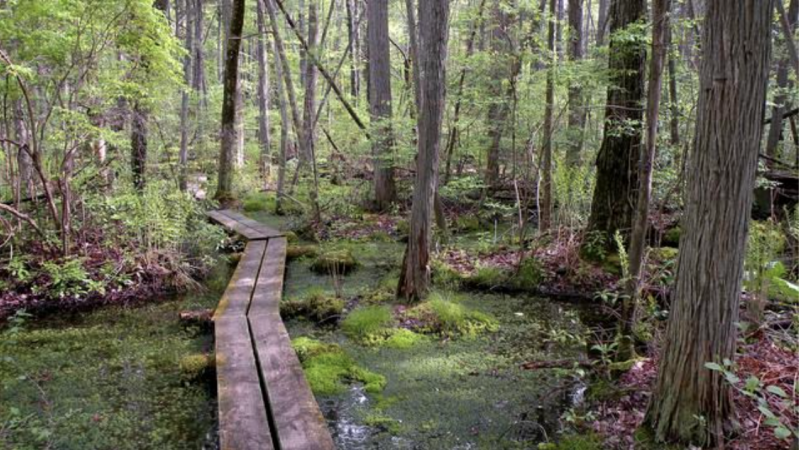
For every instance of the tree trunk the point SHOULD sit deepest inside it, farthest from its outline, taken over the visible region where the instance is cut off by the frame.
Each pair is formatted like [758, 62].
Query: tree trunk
[25, 187]
[230, 99]
[380, 103]
[187, 70]
[636, 253]
[577, 112]
[617, 178]
[309, 105]
[546, 206]
[355, 48]
[602, 22]
[416, 272]
[498, 109]
[284, 129]
[263, 91]
[138, 145]
[452, 138]
[705, 307]
[782, 82]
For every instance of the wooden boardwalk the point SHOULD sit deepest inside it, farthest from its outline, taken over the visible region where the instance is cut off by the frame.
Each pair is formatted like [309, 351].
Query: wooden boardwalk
[264, 399]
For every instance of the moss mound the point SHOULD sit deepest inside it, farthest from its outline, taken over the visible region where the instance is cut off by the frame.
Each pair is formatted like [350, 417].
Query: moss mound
[316, 306]
[369, 324]
[487, 278]
[335, 261]
[327, 368]
[258, 202]
[301, 251]
[195, 366]
[664, 254]
[401, 338]
[442, 314]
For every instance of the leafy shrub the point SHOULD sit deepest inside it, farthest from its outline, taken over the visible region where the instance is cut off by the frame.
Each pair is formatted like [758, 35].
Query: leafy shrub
[529, 276]
[69, 278]
[764, 274]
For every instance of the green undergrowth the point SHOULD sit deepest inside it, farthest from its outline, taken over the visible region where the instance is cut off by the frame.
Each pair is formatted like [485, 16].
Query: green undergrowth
[258, 202]
[294, 251]
[529, 276]
[317, 306]
[328, 368]
[368, 324]
[574, 442]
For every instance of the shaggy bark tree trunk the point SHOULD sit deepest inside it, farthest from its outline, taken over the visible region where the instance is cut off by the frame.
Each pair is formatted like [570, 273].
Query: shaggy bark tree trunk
[285, 124]
[546, 205]
[355, 48]
[617, 178]
[636, 253]
[263, 92]
[187, 73]
[380, 103]
[782, 82]
[138, 145]
[602, 23]
[577, 112]
[705, 307]
[310, 105]
[416, 271]
[498, 109]
[229, 104]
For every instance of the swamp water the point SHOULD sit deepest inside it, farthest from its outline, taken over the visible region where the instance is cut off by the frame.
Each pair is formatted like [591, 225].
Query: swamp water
[110, 378]
[461, 393]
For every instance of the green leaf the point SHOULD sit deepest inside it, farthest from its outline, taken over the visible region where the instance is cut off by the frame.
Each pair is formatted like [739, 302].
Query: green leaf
[714, 366]
[766, 412]
[777, 391]
[782, 433]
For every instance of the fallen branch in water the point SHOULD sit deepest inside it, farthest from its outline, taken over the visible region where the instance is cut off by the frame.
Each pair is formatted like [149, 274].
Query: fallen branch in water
[555, 364]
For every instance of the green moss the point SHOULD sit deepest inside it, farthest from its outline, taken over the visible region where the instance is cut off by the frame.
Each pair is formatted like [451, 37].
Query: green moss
[327, 367]
[380, 236]
[368, 324]
[442, 314]
[487, 278]
[612, 264]
[672, 237]
[195, 366]
[402, 228]
[382, 422]
[530, 275]
[258, 202]
[402, 338]
[301, 251]
[445, 276]
[291, 237]
[664, 254]
[316, 306]
[336, 261]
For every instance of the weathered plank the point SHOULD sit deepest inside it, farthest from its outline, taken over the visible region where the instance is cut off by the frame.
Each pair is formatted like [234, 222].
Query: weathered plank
[233, 222]
[264, 230]
[269, 286]
[236, 299]
[243, 423]
[299, 424]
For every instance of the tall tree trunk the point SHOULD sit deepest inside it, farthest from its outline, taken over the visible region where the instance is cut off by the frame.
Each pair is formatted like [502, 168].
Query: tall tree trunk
[380, 103]
[636, 253]
[229, 100]
[782, 82]
[139, 145]
[705, 307]
[602, 22]
[498, 109]
[285, 124]
[25, 187]
[415, 273]
[263, 92]
[187, 70]
[546, 205]
[577, 112]
[309, 105]
[674, 107]
[617, 178]
[355, 47]
[452, 138]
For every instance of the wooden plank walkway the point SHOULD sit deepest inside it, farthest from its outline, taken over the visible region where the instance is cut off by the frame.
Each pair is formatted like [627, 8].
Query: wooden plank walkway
[264, 399]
